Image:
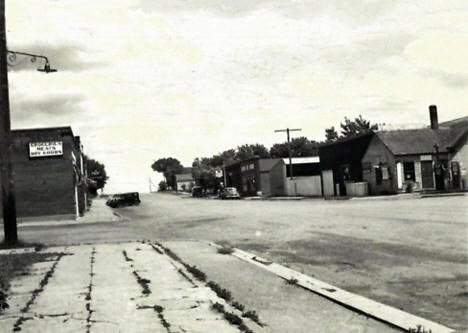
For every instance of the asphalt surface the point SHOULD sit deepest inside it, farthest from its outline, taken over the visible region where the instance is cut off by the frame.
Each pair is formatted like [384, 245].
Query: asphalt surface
[411, 254]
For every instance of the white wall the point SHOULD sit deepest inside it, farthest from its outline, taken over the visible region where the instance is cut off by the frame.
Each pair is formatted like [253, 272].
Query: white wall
[304, 186]
[328, 183]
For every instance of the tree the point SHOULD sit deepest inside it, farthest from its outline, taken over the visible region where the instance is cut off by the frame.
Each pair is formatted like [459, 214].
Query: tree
[300, 147]
[97, 173]
[169, 167]
[331, 134]
[204, 173]
[357, 126]
[250, 150]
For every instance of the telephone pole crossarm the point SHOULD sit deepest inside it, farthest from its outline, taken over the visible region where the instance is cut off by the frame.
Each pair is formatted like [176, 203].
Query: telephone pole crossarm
[287, 130]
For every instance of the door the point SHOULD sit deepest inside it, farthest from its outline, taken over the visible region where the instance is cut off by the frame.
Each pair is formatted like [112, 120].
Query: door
[439, 176]
[427, 174]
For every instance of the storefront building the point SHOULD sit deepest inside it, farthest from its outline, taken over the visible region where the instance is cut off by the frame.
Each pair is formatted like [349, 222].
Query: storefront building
[48, 172]
[426, 159]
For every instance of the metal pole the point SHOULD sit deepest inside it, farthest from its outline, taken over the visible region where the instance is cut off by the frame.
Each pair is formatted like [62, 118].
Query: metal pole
[7, 184]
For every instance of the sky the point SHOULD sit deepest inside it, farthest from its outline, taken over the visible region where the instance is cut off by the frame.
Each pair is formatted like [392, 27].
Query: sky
[140, 80]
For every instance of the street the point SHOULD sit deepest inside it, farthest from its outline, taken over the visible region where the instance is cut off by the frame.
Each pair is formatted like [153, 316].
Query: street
[410, 253]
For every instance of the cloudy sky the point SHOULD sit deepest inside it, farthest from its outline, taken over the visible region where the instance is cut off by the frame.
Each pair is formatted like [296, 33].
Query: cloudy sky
[142, 79]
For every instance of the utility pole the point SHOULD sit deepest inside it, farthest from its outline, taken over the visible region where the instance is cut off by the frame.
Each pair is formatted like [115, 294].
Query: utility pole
[7, 184]
[287, 130]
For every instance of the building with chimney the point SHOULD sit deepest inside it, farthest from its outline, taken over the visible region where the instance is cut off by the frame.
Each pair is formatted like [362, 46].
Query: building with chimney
[429, 159]
[49, 174]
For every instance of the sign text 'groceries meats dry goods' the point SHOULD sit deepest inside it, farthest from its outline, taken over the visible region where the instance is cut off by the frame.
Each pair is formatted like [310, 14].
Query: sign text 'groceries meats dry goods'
[49, 148]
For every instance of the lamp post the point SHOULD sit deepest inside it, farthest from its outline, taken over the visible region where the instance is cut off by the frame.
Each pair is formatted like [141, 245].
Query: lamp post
[6, 173]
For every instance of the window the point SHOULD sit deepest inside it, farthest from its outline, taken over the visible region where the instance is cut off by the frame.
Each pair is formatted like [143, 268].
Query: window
[408, 171]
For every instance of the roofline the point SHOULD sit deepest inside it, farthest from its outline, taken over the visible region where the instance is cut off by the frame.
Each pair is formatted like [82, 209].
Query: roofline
[458, 138]
[347, 139]
[447, 122]
[44, 129]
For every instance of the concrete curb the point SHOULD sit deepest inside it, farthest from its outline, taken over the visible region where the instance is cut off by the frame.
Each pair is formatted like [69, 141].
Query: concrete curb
[379, 311]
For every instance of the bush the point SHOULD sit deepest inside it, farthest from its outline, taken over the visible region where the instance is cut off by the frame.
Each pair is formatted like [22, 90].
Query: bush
[162, 186]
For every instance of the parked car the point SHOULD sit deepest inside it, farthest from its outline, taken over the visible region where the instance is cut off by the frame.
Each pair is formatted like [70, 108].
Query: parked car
[197, 191]
[229, 193]
[124, 199]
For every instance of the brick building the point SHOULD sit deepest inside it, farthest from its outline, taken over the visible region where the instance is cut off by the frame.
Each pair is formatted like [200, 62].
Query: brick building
[48, 172]
[257, 176]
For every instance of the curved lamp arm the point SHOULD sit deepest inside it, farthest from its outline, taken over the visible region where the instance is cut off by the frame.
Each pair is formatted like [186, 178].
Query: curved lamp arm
[12, 57]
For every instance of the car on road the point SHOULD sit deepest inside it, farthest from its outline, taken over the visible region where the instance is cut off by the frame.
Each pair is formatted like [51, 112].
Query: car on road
[229, 193]
[124, 199]
[197, 192]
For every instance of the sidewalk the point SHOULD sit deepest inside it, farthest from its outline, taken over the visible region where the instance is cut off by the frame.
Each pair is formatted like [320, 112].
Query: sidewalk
[175, 287]
[98, 212]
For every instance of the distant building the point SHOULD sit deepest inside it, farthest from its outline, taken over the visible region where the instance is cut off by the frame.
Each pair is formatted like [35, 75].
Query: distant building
[184, 181]
[434, 158]
[257, 177]
[270, 177]
[307, 180]
[48, 173]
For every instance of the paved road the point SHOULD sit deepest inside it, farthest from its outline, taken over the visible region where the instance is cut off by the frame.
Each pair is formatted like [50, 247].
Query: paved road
[411, 254]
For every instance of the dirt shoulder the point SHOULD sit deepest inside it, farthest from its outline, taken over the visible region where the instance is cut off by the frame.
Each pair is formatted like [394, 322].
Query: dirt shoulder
[282, 306]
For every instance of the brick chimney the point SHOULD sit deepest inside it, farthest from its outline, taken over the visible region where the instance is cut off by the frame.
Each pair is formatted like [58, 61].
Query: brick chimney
[433, 116]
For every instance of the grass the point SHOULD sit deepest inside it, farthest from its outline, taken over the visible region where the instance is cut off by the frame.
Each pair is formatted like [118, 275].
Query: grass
[225, 250]
[20, 245]
[419, 329]
[12, 265]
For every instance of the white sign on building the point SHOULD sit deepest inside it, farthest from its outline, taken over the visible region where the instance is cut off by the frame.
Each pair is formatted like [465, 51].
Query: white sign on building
[47, 148]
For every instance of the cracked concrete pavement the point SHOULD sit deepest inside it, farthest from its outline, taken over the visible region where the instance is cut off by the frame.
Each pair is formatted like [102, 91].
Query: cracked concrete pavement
[143, 286]
[126, 287]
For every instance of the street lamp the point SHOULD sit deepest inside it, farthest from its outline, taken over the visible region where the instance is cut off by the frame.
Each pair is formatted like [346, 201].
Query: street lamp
[12, 57]
[6, 174]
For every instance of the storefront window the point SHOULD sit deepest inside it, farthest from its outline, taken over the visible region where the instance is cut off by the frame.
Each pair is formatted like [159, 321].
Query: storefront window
[408, 171]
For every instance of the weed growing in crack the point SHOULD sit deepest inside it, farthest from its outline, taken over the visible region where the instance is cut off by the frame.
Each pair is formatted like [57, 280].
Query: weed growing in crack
[44, 281]
[252, 315]
[156, 249]
[218, 307]
[291, 281]
[419, 329]
[143, 283]
[181, 272]
[198, 274]
[3, 302]
[90, 290]
[126, 256]
[238, 306]
[232, 318]
[221, 292]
